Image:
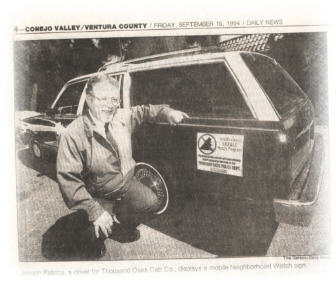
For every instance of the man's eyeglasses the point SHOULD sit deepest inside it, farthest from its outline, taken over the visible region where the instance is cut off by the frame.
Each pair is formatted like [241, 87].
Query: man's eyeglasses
[105, 100]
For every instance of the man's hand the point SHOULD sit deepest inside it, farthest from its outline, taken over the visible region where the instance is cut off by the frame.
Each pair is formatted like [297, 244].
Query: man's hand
[104, 223]
[175, 116]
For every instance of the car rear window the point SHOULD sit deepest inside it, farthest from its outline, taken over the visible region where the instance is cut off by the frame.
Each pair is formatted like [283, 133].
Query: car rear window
[282, 90]
[206, 90]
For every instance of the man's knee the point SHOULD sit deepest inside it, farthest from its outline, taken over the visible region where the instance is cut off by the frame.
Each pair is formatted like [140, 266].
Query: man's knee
[141, 198]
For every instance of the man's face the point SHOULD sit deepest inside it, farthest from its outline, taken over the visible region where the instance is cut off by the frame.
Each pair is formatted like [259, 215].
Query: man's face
[104, 101]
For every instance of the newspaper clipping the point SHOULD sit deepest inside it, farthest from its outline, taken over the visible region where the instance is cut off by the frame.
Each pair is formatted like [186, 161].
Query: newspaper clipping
[171, 146]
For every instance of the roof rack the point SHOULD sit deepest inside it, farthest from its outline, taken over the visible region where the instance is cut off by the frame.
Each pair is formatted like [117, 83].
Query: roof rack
[151, 57]
[250, 42]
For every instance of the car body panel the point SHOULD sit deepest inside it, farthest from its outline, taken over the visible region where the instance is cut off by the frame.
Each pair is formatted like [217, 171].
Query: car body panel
[42, 129]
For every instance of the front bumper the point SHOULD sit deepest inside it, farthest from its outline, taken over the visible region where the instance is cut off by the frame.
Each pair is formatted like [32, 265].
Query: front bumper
[298, 209]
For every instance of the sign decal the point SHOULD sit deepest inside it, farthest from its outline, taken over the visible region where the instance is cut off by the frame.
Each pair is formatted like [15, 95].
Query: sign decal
[220, 153]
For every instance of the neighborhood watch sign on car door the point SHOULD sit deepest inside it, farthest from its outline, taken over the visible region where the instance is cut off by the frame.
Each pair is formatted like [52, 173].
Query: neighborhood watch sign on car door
[220, 153]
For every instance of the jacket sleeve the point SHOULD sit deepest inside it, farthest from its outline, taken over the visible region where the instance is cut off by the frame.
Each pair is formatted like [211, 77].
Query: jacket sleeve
[149, 113]
[69, 167]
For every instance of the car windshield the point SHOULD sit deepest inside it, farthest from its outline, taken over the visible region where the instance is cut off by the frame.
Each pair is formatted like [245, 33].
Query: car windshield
[282, 90]
[68, 102]
[205, 90]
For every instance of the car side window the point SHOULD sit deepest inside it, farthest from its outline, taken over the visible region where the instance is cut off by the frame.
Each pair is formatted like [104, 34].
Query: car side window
[277, 84]
[68, 101]
[204, 90]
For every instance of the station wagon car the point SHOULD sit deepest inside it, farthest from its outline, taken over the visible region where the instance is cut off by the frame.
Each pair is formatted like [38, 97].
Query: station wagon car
[250, 133]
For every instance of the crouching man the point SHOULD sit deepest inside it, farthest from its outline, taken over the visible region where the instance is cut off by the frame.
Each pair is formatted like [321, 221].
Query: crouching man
[95, 163]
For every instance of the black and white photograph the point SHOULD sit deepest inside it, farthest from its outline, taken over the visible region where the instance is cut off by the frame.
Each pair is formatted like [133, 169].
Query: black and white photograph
[207, 146]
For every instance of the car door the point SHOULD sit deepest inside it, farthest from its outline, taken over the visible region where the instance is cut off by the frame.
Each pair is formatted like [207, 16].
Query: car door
[65, 109]
[221, 148]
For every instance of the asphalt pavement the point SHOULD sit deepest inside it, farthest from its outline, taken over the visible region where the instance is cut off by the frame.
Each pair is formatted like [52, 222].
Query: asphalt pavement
[192, 227]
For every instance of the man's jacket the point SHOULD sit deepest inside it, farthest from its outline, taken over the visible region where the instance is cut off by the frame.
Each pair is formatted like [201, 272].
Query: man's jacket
[89, 165]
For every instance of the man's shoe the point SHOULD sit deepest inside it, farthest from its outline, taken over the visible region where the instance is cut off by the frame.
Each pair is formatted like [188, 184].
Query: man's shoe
[124, 234]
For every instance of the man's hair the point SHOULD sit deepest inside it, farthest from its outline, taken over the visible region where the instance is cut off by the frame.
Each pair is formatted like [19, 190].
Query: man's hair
[97, 79]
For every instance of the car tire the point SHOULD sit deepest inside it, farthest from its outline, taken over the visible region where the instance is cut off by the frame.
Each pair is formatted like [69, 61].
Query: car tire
[36, 150]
